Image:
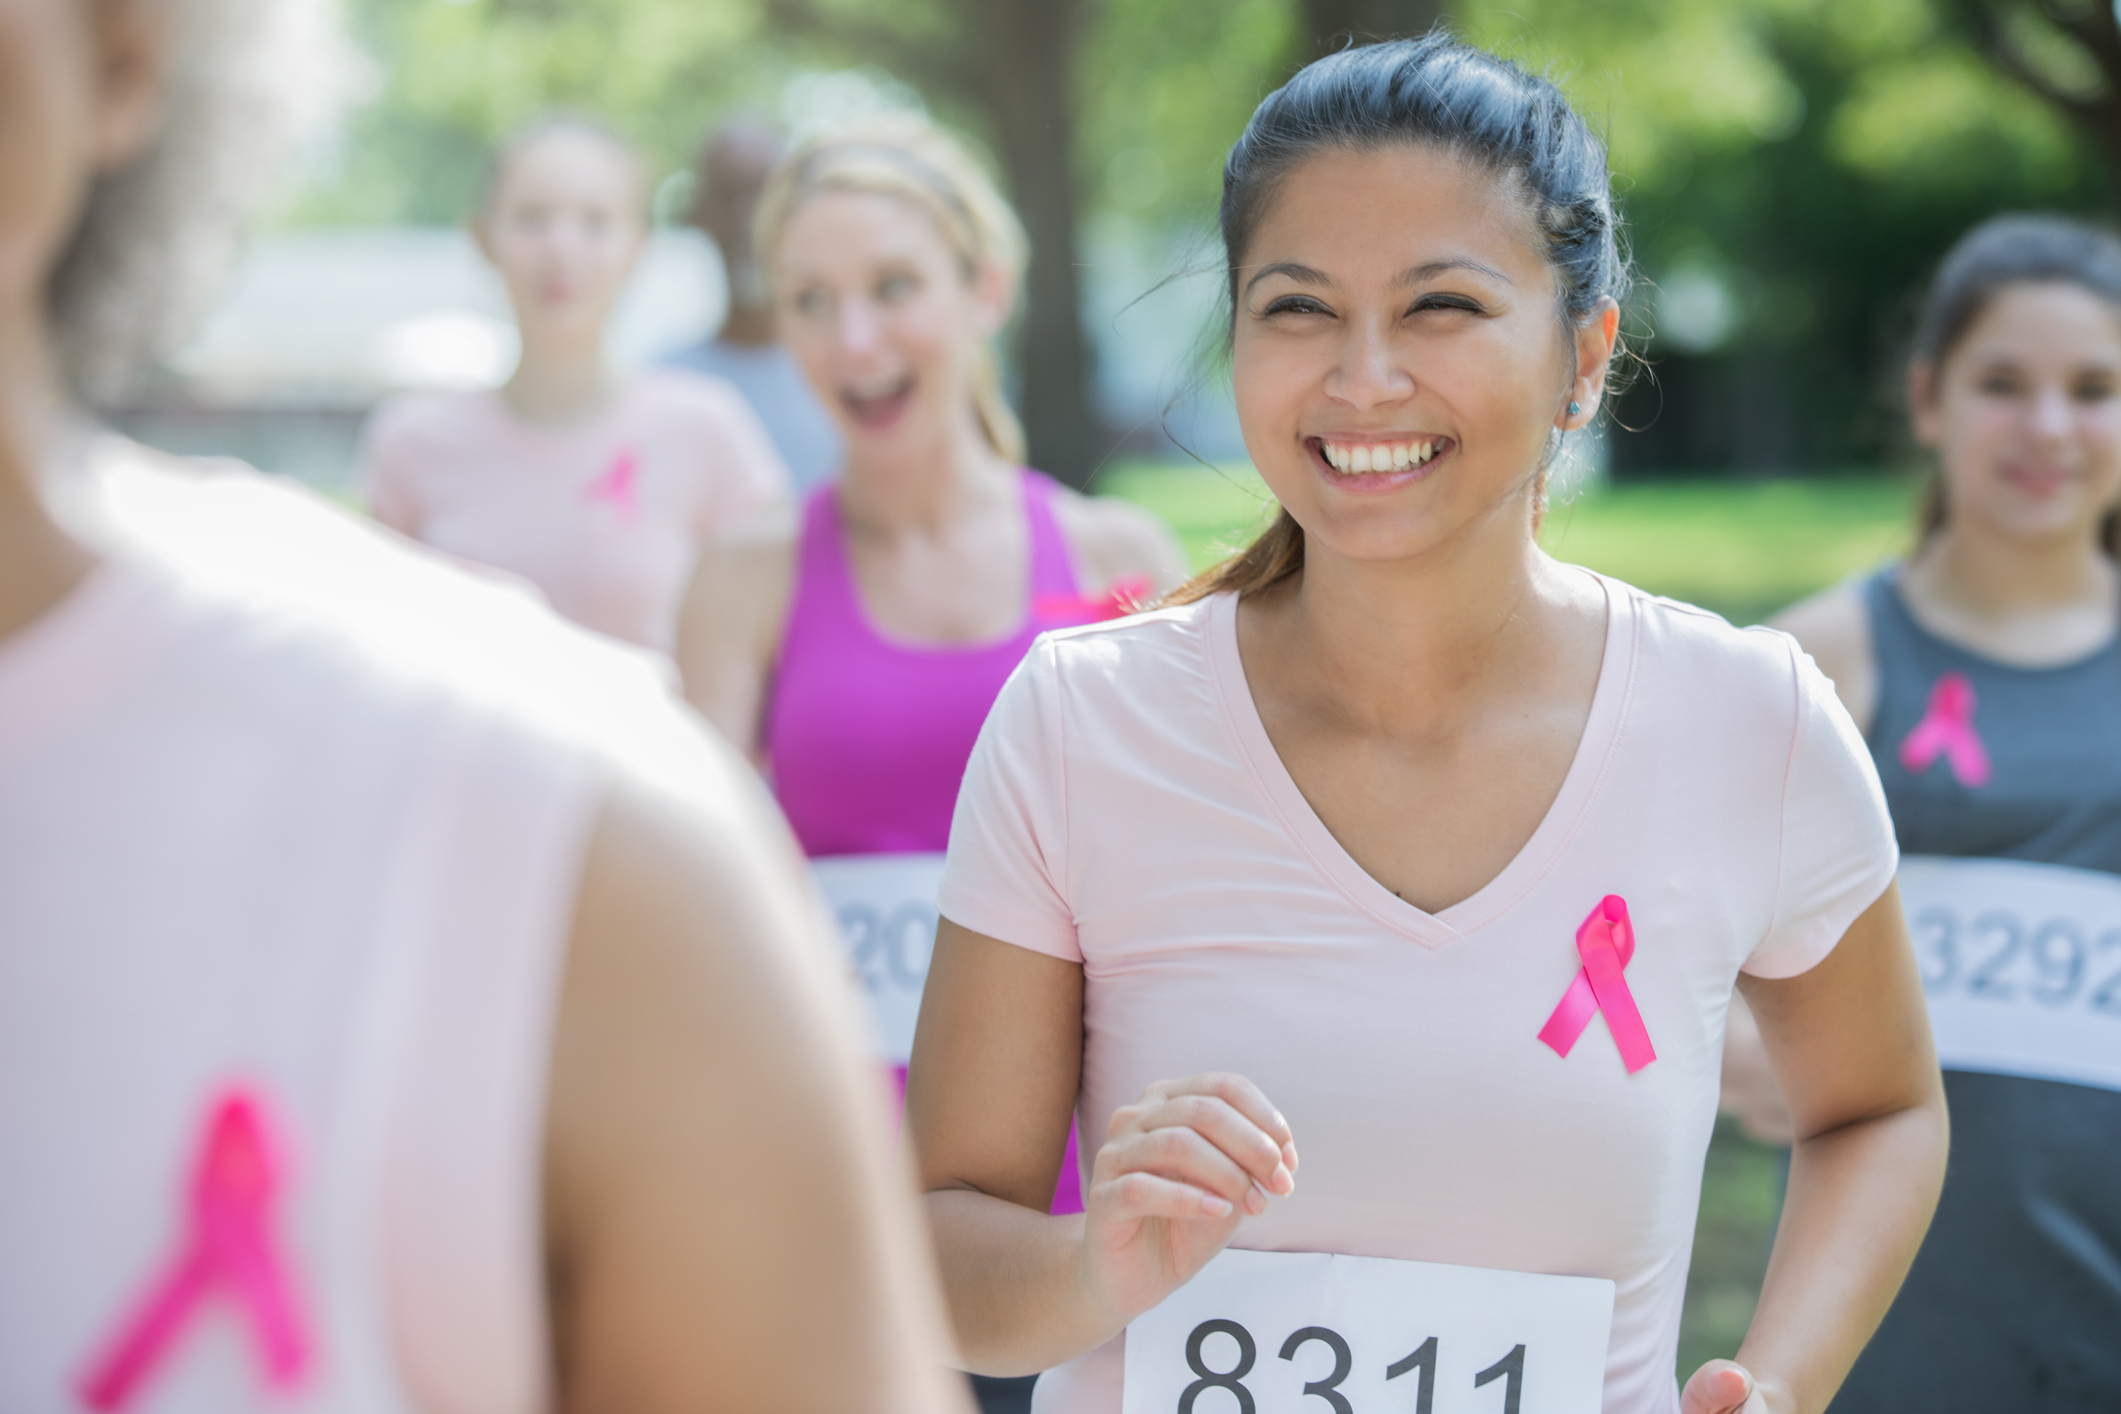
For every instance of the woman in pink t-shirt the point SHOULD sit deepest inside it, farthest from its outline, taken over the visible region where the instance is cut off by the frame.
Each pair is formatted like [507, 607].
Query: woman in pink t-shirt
[598, 488]
[1420, 851]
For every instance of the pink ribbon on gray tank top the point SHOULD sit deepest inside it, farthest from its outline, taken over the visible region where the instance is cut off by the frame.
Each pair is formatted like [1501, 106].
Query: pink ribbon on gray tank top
[1947, 730]
[1606, 943]
[228, 1249]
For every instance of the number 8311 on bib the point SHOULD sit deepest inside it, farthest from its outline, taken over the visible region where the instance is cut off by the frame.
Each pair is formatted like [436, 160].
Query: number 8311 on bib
[1309, 1333]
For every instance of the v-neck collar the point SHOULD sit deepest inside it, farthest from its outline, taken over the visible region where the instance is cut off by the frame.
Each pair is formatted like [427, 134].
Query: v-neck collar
[1557, 828]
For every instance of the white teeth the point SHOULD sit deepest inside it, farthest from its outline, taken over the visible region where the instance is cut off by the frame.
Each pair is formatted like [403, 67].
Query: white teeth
[1370, 456]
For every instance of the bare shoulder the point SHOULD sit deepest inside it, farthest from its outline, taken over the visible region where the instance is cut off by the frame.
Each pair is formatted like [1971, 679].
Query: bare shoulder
[717, 1169]
[1835, 629]
[1114, 540]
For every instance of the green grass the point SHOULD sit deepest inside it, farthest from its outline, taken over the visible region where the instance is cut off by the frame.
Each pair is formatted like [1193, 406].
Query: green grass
[1742, 549]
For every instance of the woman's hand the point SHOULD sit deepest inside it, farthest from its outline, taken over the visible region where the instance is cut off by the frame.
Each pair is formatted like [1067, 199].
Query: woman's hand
[1179, 1170]
[1726, 1387]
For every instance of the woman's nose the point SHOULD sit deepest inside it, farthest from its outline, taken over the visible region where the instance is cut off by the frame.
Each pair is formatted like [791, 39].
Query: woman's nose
[1368, 373]
[2051, 419]
[859, 327]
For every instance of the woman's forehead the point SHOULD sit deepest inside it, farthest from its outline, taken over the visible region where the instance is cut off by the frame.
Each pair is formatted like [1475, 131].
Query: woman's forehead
[1362, 215]
[840, 226]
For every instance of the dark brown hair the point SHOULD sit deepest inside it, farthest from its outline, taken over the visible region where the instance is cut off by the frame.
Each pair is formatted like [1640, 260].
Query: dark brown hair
[1436, 91]
[1997, 254]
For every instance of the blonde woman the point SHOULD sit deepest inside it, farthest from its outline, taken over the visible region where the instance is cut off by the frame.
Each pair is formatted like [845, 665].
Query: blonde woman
[857, 658]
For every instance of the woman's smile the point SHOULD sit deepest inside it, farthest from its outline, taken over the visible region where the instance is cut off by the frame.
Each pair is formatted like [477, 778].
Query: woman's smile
[1371, 463]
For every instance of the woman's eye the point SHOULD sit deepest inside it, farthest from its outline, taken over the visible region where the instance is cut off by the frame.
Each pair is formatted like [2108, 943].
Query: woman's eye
[2000, 385]
[1457, 304]
[893, 288]
[812, 304]
[2093, 390]
[1294, 304]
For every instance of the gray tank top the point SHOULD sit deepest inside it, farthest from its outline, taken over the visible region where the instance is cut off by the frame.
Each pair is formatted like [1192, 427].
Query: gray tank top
[2014, 1302]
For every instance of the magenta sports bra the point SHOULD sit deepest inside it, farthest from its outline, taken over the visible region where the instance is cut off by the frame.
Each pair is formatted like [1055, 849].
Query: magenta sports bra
[868, 738]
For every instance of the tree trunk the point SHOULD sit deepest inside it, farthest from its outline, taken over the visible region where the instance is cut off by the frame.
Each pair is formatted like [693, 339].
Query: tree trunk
[1998, 27]
[1328, 23]
[1023, 75]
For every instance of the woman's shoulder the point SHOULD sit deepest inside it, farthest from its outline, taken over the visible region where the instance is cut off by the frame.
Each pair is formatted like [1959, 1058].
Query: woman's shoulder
[1114, 540]
[1816, 646]
[688, 396]
[428, 413]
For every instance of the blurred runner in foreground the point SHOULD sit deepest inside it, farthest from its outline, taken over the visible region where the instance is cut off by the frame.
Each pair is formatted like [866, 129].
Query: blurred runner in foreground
[598, 487]
[730, 177]
[861, 657]
[402, 1006]
[1986, 674]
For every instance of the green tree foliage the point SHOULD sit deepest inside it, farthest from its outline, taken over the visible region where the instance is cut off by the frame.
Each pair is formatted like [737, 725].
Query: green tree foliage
[1791, 169]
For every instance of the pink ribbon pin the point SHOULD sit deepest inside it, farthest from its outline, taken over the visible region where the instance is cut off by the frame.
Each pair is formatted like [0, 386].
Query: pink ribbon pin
[1124, 597]
[618, 484]
[1947, 730]
[1606, 943]
[229, 1248]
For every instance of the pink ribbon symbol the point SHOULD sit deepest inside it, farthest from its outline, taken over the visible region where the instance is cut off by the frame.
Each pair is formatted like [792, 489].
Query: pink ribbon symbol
[618, 484]
[1947, 730]
[1124, 597]
[230, 1247]
[1606, 943]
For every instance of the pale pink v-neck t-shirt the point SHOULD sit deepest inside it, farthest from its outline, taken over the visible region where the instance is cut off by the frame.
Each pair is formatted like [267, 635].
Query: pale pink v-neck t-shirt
[605, 516]
[1125, 809]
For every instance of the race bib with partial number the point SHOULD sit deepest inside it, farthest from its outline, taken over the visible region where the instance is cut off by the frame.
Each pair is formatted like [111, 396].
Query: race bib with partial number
[2021, 964]
[885, 904]
[1315, 1333]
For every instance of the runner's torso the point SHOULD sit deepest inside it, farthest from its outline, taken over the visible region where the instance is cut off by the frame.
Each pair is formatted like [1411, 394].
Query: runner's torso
[2015, 1300]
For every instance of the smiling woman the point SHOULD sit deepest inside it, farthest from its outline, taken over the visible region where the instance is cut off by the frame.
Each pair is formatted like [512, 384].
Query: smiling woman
[1395, 840]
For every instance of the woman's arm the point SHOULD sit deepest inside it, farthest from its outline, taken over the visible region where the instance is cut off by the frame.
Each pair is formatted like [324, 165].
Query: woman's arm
[726, 1228]
[729, 631]
[1850, 1045]
[996, 1065]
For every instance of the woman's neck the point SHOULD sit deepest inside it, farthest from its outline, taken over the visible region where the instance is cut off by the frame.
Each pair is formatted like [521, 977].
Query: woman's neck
[1383, 640]
[1973, 572]
[560, 378]
[40, 563]
[919, 490]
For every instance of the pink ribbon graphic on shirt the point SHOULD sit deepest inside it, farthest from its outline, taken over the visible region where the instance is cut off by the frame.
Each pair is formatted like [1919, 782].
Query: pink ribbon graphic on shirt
[229, 1248]
[1124, 597]
[618, 485]
[1947, 730]
[1606, 943]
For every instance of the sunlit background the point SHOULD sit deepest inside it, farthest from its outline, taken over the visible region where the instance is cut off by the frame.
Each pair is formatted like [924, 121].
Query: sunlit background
[1790, 169]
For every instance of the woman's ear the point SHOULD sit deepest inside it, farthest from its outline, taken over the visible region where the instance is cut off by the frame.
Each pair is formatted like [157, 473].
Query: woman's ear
[131, 40]
[993, 297]
[1596, 338]
[1923, 414]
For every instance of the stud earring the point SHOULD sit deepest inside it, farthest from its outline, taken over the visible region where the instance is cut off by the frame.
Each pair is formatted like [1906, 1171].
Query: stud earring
[1574, 408]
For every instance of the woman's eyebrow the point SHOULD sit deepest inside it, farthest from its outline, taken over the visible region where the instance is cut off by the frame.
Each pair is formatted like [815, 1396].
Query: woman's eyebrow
[1301, 274]
[1422, 274]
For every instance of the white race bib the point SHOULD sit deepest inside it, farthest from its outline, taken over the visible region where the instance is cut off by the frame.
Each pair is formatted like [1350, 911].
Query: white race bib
[2022, 966]
[885, 904]
[1314, 1333]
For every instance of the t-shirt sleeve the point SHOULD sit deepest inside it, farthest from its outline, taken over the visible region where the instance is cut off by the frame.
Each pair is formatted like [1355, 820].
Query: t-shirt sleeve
[1005, 873]
[743, 479]
[385, 480]
[1838, 852]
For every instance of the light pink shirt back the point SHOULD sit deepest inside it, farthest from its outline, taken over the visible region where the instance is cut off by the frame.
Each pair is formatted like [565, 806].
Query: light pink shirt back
[1126, 809]
[606, 516]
